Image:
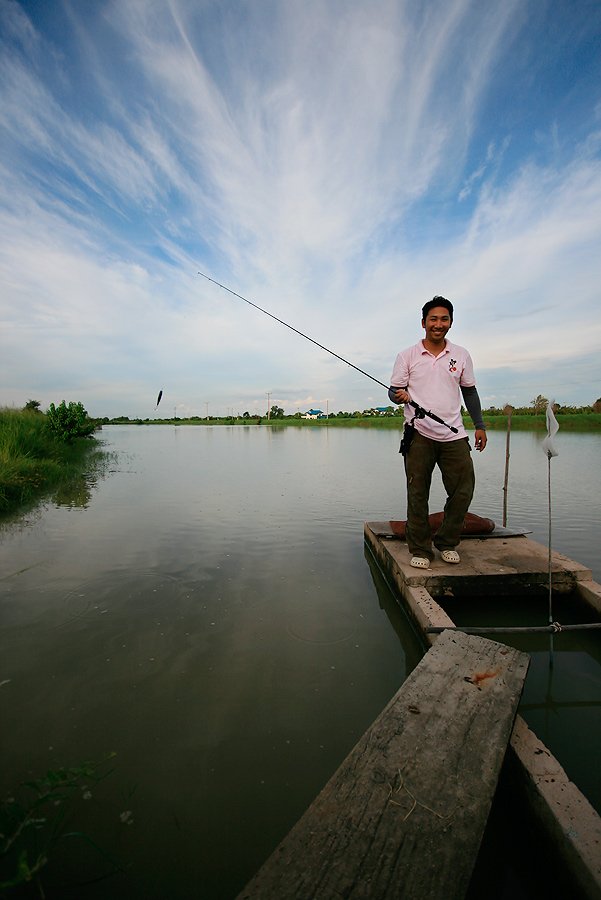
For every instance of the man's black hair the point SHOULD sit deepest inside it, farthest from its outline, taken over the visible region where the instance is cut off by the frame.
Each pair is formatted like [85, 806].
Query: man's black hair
[437, 301]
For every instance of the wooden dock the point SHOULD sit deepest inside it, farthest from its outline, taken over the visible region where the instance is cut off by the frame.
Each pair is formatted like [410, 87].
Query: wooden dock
[404, 815]
[499, 565]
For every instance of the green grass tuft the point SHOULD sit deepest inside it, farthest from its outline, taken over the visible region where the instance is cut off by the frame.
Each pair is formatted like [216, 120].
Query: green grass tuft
[32, 460]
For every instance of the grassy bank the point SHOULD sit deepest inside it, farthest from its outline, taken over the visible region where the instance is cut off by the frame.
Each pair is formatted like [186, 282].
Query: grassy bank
[33, 462]
[568, 421]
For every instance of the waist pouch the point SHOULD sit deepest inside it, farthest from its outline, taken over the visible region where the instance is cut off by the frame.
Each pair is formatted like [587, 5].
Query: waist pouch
[408, 432]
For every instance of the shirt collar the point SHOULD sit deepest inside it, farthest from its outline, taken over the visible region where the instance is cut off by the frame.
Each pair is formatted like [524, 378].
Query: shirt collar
[446, 349]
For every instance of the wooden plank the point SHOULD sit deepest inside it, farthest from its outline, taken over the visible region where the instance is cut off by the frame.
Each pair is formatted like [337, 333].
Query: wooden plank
[563, 812]
[403, 816]
[384, 529]
[500, 566]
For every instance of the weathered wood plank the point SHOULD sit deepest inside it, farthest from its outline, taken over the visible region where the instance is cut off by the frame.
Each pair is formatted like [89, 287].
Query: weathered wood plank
[491, 564]
[563, 812]
[403, 816]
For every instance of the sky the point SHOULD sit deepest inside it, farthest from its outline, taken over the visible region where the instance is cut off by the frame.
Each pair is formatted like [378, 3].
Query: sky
[335, 162]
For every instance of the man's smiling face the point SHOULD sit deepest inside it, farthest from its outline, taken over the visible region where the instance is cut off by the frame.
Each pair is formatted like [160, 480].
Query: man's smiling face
[437, 323]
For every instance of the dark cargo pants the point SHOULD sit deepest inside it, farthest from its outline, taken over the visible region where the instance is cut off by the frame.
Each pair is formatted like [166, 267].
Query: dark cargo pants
[454, 460]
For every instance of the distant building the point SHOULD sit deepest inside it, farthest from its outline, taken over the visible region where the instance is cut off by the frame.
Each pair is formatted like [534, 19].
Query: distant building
[313, 414]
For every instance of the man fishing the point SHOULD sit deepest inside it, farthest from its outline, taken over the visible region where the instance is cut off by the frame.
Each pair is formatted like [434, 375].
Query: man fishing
[433, 375]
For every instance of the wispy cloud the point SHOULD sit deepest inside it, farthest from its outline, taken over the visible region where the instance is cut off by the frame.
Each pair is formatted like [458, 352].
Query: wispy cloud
[334, 163]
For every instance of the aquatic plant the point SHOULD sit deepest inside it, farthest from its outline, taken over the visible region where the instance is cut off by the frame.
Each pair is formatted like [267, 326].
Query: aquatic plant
[32, 825]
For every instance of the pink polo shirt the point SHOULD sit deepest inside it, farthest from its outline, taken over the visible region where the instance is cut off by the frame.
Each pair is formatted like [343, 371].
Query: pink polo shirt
[434, 382]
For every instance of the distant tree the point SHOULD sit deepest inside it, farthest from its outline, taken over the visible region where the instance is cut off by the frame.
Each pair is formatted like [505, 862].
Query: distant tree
[597, 406]
[572, 410]
[539, 404]
[276, 412]
[32, 406]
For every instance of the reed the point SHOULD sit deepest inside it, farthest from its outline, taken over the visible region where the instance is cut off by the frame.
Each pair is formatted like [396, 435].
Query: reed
[32, 460]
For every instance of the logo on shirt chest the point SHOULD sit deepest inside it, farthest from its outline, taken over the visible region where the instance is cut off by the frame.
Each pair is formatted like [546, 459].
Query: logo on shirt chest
[452, 365]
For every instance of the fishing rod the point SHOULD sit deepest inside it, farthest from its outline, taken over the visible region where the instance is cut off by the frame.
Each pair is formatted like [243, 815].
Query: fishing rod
[420, 412]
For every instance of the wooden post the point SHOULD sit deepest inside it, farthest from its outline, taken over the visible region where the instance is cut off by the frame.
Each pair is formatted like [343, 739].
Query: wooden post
[507, 410]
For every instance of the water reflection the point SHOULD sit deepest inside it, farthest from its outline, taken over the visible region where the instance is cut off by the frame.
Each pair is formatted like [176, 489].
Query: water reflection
[209, 613]
[397, 616]
[77, 493]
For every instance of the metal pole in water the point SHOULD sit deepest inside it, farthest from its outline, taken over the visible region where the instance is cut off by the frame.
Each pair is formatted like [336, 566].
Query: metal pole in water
[550, 576]
[549, 449]
[550, 540]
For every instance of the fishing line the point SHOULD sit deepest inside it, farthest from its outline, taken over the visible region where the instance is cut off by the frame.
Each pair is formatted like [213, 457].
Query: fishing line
[420, 411]
[317, 344]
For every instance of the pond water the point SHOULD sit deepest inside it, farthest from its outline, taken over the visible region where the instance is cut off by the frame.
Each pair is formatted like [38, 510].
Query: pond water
[207, 610]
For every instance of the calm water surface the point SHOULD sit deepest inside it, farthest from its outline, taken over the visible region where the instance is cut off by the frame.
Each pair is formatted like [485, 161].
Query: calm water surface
[207, 611]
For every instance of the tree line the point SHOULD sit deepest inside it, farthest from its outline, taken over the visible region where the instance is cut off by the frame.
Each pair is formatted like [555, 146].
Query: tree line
[72, 421]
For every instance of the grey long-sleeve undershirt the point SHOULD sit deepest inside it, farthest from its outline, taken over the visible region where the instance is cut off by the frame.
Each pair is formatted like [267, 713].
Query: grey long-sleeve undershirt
[470, 398]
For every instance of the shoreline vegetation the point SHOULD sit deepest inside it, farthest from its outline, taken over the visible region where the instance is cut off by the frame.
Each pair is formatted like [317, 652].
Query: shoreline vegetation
[585, 421]
[582, 418]
[37, 458]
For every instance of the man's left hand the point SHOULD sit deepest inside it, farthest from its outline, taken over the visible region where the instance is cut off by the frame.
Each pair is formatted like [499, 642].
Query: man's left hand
[480, 439]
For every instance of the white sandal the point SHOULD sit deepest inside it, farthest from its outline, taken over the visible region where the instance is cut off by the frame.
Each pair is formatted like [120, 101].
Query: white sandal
[450, 556]
[420, 562]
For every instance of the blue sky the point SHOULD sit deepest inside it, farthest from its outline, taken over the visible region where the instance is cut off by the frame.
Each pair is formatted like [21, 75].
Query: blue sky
[336, 162]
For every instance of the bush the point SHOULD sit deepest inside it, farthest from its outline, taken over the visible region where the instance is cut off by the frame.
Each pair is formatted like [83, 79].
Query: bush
[33, 461]
[69, 422]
